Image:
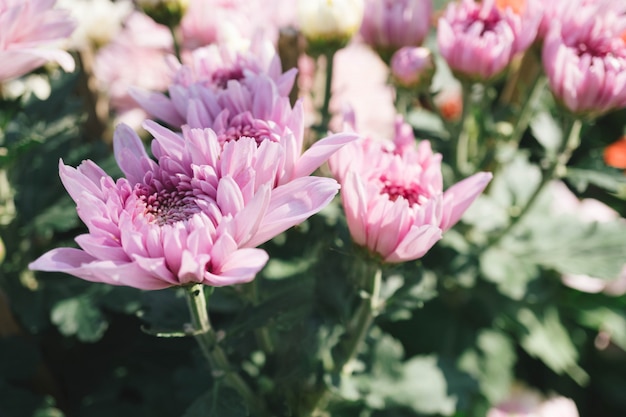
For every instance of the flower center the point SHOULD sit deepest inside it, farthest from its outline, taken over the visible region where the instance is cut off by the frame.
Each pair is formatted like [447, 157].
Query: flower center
[221, 77]
[253, 130]
[167, 206]
[412, 193]
[489, 21]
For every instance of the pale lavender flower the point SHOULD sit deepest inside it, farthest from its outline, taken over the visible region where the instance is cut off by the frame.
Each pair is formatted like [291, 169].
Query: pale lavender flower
[526, 402]
[412, 67]
[392, 194]
[388, 25]
[584, 58]
[478, 40]
[192, 216]
[30, 33]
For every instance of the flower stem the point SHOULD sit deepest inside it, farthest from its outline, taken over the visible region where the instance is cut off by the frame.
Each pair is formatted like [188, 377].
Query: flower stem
[214, 354]
[538, 85]
[460, 135]
[175, 43]
[356, 331]
[556, 169]
[328, 83]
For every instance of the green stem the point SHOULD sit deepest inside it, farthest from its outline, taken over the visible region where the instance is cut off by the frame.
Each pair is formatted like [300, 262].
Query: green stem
[328, 83]
[460, 135]
[556, 169]
[175, 43]
[214, 354]
[538, 85]
[356, 331]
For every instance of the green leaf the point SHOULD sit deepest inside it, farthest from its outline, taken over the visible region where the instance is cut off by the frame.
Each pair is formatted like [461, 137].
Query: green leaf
[491, 363]
[548, 340]
[219, 402]
[78, 316]
[547, 131]
[510, 271]
[607, 320]
[613, 181]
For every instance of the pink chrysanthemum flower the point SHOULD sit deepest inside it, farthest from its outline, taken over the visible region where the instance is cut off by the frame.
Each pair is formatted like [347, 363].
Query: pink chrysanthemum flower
[388, 25]
[30, 31]
[212, 73]
[192, 216]
[584, 58]
[478, 40]
[393, 196]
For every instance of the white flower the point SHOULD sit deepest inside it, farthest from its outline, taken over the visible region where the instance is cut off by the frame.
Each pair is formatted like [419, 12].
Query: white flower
[98, 20]
[330, 19]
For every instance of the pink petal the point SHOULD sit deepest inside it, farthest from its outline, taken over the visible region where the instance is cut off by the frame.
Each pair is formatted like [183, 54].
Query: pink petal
[319, 153]
[460, 196]
[416, 243]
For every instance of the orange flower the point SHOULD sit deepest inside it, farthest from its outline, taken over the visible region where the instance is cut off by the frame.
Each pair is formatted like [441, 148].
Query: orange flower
[615, 154]
[450, 106]
[518, 6]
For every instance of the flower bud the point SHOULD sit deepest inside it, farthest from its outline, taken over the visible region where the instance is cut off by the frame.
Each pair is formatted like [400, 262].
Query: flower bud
[328, 25]
[165, 12]
[412, 67]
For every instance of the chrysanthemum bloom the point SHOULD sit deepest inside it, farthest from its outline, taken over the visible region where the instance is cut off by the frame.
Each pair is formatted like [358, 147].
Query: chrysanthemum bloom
[412, 67]
[192, 216]
[392, 194]
[478, 40]
[585, 60]
[30, 31]
[388, 25]
[214, 74]
[254, 106]
[329, 23]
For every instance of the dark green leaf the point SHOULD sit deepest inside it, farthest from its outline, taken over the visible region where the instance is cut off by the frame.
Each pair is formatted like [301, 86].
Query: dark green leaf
[219, 402]
[78, 316]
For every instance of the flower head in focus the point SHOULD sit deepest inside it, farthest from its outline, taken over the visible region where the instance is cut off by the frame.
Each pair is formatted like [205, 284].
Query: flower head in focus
[194, 215]
[393, 197]
[584, 58]
[329, 24]
[389, 25]
[30, 33]
[478, 40]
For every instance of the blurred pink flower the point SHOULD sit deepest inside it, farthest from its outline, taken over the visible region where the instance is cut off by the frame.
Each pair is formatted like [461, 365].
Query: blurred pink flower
[527, 402]
[226, 21]
[360, 82]
[588, 210]
[192, 216]
[478, 40]
[393, 196]
[584, 57]
[135, 58]
[389, 25]
[412, 67]
[30, 32]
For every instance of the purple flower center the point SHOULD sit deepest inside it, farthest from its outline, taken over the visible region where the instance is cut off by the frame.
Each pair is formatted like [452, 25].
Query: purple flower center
[489, 22]
[412, 193]
[221, 77]
[166, 206]
[258, 131]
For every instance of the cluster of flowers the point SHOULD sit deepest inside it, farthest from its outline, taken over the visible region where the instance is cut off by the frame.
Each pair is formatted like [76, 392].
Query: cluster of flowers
[232, 169]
